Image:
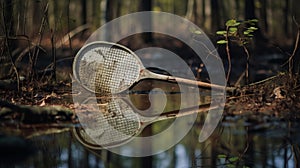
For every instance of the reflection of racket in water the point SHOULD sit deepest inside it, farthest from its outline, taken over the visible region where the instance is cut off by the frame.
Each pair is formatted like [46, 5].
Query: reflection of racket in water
[116, 123]
[111, 68]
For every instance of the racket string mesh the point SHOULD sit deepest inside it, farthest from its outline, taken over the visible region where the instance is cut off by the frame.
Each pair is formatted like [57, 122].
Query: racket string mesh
[113, 124]
[108, 69]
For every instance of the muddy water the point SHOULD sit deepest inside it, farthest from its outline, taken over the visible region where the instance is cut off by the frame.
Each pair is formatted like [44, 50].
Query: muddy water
[236, 142]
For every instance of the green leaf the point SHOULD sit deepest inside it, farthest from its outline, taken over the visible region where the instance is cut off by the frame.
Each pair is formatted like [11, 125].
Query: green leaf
[221, 42]
[249, 30]
[233, 29]
[230, 22]
[237, 24]
[253, 20]
[230, 166]
[252, 28]
[233, 159]
[221, 32]
[221, 156]
[246, 32]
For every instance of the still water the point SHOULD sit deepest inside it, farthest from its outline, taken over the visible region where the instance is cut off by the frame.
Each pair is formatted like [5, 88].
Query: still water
[230, 145]
[236, 142]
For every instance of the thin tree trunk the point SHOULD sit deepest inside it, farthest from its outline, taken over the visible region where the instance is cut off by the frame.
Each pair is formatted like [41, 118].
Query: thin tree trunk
[203, 13]
[286, 17]
[8, 19]
[263, 15]
[37, 14]
[238, 8]
[261, 40]
[83, 11]
[215, 15]
[249, 9]
[146, 5]
[147, 162]
[190, 8]
[110, 14]
[96, 14]
[70, 153]
[195, 13]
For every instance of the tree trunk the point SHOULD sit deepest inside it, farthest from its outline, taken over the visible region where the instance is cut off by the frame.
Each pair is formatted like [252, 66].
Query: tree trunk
[83, 11]
[237, 8]
[37, 14]
[249, 9]
[215, 15]
[263, 15]
[261, 40]
[286, 18]
[203, 14]
[20, 25]
[111, 11]
[146, 5]
[109, 14]
[190, 10]
[147, 162]
[96, 14]
[7, 16]
[6, 45]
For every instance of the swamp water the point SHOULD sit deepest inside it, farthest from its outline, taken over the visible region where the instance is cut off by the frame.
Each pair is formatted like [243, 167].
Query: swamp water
[236, 142]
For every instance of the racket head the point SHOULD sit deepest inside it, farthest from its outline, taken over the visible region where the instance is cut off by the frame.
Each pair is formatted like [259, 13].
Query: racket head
[106, 125]
[106, 68]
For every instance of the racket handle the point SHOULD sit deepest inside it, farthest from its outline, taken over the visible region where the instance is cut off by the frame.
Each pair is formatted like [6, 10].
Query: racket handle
[184, 112]
[148, 74]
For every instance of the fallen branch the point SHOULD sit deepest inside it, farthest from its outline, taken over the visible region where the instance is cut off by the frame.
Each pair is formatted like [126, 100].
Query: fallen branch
[36, 114]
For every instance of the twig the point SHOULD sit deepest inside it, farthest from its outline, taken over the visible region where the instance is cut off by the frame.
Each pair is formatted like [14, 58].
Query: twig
[31, 45]
[247, 64]
[8, 50]
[238, 82]
[53, 55]
[228, 54]
[68, 20]
[295, 48]
[36, 50]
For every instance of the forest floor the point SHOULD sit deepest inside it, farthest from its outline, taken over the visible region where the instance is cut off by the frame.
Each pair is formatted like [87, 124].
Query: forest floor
[47, 105]
[52, 106]
[276, 97]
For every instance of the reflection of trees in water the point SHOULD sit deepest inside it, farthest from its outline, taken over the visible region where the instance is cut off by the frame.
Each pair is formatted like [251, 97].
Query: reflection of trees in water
[241, 146]
[235, 144]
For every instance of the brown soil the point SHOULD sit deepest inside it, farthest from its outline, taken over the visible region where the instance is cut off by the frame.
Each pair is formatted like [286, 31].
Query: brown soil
[277, 96]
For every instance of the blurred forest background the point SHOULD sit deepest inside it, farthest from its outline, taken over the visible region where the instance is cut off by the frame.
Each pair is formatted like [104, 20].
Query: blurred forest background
[52, 30]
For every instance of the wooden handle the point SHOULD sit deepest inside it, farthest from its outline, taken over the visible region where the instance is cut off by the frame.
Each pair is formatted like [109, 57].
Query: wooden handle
[148, 74]
[187, 111]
